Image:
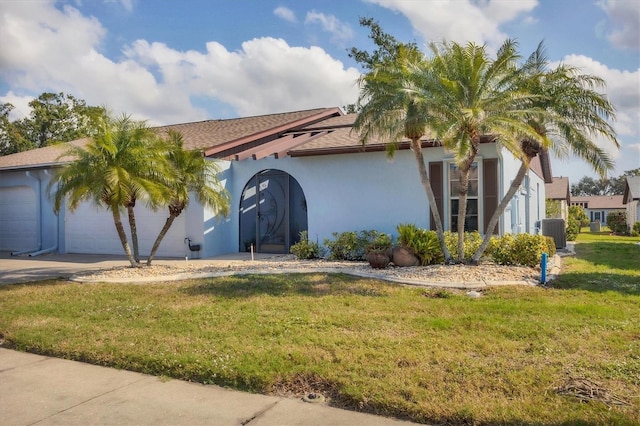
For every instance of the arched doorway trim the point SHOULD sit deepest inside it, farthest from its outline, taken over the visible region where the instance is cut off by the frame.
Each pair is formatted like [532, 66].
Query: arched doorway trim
[273, 212]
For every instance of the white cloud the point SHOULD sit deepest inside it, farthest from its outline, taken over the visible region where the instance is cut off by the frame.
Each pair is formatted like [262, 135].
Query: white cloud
[20, 103]
[623, 90]
[286, 14]
[340, 31]
[42, 51]
[624, 22]
[266, 75]
[460, 20]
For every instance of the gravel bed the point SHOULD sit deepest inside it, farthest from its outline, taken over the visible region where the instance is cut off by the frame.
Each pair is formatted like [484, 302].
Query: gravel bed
[485, 273]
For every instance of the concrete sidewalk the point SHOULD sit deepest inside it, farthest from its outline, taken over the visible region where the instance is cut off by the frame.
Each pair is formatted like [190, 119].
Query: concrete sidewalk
[35, 389]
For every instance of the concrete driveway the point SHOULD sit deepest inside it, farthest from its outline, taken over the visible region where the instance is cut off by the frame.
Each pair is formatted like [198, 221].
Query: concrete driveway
[21, 269]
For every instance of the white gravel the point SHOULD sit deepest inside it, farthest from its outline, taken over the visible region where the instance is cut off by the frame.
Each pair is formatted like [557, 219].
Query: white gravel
[456, 276]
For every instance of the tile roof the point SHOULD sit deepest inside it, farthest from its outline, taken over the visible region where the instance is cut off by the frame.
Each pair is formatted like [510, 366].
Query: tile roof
[600, 201]
[558, 189]
[41, 157]
[632, 189]
[202, 135]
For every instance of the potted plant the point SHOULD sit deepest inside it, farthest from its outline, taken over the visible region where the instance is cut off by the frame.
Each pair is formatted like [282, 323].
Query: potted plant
[404, 253]
[379, 251]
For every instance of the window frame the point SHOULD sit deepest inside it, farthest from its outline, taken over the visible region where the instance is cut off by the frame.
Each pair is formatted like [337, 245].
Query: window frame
[448, 197]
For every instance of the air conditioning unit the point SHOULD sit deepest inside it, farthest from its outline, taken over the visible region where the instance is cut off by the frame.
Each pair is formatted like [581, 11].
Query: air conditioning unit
[555, 229]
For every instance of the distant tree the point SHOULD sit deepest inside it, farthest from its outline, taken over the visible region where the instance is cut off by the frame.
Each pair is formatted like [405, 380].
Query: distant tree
[54, 118]
[588, 186]
[11, 139]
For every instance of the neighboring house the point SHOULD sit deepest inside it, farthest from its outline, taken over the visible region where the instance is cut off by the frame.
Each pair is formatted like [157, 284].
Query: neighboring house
[598, 207]
[286, 173]
[558, 192]
[631, 199]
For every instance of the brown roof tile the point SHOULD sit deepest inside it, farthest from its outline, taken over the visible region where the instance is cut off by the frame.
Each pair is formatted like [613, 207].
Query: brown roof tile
[600, 201]
[41, 157]
[558, 189]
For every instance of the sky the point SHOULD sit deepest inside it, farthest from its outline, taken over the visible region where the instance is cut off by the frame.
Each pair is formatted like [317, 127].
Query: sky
[177, 61]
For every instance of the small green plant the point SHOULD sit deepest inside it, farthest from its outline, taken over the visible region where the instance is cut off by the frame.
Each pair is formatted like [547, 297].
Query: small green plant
[551, 246]
[472, 241]
[617, 222]
[635, 231]
[350, 245]
[424, 244]
[380, 242]
[305, 249]
[573, 228]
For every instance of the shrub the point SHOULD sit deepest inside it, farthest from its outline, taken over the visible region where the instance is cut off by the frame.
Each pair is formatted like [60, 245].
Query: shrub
[380, 242]
[305, 249]
[636, 227]
[423, 243]
[551, 246]
[472, 241]
[521, 249]
[350, 245]
[573, 229]
[617, 222]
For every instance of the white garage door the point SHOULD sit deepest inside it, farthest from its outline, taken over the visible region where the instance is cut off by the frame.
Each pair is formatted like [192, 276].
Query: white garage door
[91, 230]
[18, 219]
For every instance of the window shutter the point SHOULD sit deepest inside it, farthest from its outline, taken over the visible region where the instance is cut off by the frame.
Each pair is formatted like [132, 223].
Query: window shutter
[435, 176]
[490, 190]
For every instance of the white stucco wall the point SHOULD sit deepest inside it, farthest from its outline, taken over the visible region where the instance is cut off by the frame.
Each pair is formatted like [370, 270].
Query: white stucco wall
[351, 192]
[527, 206]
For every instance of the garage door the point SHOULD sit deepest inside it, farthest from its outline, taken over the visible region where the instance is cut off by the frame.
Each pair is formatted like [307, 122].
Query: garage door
[18, 219]
[91, 230]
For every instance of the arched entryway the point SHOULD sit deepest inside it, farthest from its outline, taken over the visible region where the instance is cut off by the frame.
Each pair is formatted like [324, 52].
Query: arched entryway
[273, 212]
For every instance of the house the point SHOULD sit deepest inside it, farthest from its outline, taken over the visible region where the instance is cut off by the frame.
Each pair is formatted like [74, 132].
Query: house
[557, 192]
[598, 207]
[631, 200]
[286, 173]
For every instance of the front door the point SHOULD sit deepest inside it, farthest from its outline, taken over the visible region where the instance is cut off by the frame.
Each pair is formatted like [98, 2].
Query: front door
[272, 213]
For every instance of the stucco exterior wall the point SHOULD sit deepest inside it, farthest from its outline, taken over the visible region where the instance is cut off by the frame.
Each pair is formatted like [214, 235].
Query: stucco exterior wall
[351, 192]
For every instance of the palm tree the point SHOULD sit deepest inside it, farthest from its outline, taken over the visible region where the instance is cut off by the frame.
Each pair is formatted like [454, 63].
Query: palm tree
[470, 95]
[111, 170]
[191, 173]
[570, 112]
[390, 111]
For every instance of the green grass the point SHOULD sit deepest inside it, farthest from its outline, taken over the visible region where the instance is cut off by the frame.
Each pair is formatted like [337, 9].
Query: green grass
[430, 356]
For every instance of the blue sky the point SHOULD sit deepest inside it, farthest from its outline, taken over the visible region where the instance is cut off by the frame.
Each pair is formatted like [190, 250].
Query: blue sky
[172, 61]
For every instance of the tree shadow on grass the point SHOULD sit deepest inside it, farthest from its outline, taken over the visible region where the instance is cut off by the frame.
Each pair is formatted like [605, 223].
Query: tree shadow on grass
[598, 282]
[314, 285]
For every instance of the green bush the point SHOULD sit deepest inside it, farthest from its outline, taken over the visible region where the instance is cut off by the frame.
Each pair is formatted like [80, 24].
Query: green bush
[521, 249]
[573, 228]
[350, 245]
[617, 222]
[472, 241]
[636, 227]
[380, 242]
[305, 249]
[423, 243]
[551, 246]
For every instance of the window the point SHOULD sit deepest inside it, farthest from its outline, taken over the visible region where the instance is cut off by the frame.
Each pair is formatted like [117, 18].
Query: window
[472, 219]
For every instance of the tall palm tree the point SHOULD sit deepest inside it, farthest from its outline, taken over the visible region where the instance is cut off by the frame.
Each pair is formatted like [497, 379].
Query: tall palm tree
[111, 170]
[390, 111]
[570, 111]
[192, 173]
[470, 95]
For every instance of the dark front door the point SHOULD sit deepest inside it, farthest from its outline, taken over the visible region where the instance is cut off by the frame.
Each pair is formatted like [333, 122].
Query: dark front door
[272, 213]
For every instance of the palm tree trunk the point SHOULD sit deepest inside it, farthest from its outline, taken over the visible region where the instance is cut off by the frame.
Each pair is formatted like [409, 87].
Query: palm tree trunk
[426, 183]
[123, 236]
[463, 191]
[524, 168]
[163, 232]
[134, 233]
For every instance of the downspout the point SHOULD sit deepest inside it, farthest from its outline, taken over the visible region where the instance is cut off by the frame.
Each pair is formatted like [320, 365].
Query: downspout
[39, 209]
[57, 225]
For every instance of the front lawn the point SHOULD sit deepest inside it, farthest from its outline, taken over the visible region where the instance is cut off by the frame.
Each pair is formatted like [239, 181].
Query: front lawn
[420, 354]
